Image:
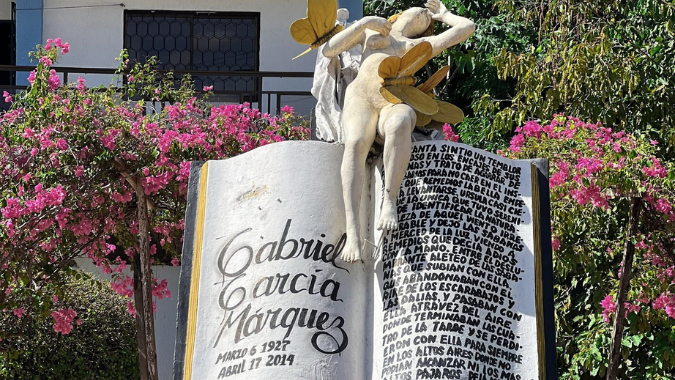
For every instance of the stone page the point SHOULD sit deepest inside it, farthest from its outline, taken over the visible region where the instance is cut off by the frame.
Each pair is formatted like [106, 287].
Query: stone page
[274, 300]
[454, 287]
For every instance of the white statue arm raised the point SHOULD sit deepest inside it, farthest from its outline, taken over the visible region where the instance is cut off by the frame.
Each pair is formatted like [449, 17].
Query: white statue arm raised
[355, 35]
[461, 28]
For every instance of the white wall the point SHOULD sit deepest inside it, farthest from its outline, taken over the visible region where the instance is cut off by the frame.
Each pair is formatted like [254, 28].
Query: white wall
[165, 317]
[5, 9]
[96, 33]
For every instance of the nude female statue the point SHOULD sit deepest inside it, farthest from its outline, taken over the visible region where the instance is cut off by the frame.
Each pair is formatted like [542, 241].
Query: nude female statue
[367, 114]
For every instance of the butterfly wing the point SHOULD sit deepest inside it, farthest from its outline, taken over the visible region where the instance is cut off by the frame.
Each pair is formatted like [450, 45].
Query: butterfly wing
[322, 15]
[303, 32]
[414, 59]
[410, 96]
[448, 113]
[389, 96]
[409, 64]
[422, 119]
[316, 28]
[434, 80]
[389, 67]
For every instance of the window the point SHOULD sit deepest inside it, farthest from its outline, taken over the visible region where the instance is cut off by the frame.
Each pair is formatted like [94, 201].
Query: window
[8, 55]
[198, 41]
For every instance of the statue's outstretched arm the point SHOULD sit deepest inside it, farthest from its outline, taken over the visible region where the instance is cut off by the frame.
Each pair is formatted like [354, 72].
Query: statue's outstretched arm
[355, 35]
[461, 28]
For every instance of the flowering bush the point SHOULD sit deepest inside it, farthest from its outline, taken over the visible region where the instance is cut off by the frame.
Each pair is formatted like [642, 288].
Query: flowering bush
[594, 173]
[71, 156]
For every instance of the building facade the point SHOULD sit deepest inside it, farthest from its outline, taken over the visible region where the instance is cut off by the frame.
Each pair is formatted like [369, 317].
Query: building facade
[202, 35]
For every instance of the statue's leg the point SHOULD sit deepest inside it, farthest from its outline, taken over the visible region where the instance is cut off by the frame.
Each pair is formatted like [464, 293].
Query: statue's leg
[359, 122]
[396, 124]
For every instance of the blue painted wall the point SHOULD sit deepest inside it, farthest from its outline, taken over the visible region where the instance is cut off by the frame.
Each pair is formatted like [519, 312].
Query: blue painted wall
[28, 33]
[355, 8]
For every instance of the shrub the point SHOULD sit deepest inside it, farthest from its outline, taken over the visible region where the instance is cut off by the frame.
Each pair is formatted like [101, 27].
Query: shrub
[596, 174]
[103, 346]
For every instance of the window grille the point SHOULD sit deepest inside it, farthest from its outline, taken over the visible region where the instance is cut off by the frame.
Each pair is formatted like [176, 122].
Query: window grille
[198, 41]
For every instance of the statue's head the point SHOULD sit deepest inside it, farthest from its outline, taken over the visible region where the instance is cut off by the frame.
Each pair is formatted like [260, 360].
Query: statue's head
[413, 23]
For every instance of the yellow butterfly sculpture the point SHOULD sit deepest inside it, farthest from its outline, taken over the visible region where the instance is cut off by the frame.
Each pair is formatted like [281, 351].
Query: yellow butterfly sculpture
[319, 25]
[397, 79]
[447, 113]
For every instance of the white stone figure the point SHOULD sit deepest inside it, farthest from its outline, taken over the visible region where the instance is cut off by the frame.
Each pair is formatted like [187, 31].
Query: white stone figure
[331, 78]
[367, 114]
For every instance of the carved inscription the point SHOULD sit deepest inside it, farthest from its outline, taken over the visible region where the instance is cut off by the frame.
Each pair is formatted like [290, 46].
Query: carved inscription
[449, 270]
[248, 316]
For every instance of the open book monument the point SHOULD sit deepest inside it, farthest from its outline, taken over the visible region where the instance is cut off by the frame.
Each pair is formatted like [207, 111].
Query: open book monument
[318, 261]
[461, 290]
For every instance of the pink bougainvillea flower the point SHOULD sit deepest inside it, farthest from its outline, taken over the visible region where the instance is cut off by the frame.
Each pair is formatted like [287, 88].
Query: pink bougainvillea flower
[46, 61]
[80, 83]
[449, 133]
[131, 309]
[532, 129]
[63, 320]
[54, 80]
[31, 77]
[517, 142]
[19, 312]
[555, 243]
[609, 307]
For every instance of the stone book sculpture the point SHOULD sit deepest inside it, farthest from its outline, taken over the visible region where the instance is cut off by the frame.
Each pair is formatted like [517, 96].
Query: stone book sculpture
[462, 289]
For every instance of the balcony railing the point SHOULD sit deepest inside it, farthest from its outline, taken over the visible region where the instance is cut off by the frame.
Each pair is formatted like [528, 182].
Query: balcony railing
[269, 101]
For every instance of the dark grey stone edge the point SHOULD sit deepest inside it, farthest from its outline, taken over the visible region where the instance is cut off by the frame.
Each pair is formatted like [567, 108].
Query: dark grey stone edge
[186, 269]
[547, 268]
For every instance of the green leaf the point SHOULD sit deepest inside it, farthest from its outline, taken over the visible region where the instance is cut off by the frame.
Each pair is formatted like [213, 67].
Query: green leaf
[636, 339]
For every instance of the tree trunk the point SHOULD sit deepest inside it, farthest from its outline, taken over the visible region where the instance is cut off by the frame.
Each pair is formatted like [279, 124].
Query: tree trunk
[140, 318]
[624, 284]
[145, 324]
